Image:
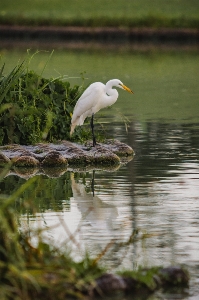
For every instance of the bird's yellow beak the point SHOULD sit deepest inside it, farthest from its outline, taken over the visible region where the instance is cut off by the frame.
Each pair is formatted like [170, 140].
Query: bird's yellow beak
[127, 89]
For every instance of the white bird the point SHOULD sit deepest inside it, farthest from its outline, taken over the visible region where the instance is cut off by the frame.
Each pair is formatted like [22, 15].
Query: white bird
[94, 98]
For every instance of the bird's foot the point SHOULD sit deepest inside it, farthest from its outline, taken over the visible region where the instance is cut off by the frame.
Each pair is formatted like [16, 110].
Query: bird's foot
[94, 142]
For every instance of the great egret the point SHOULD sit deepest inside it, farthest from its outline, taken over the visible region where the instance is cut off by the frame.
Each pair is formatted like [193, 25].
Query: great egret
[94, 98]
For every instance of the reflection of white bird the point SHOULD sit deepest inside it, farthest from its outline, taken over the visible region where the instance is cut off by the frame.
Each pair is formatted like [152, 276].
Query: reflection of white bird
[94, 210]
[94, 98]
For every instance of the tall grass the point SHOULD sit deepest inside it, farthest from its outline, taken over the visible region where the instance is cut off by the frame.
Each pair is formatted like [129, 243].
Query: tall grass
[32, 108]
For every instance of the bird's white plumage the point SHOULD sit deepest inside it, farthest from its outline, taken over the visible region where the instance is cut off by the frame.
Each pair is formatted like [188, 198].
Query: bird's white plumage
[94, 98]
[85, 105]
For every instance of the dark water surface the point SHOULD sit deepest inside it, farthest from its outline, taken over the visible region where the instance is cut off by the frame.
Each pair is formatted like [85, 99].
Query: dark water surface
[155, 196]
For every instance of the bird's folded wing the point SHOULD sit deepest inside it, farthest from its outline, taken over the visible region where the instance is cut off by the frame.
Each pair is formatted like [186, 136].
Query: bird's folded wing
[87, 101]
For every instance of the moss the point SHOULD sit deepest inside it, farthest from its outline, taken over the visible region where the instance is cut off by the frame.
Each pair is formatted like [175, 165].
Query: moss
[26, 161]
[118, 148]
[106, 159]
[60, 155]
[143, 276]
[53, 158]
[156, 277]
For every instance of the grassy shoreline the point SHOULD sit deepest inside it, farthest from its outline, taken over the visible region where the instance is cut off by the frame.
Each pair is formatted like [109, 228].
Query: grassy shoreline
[98, 38]
[33, 108]
[100, 13]
[148, 21]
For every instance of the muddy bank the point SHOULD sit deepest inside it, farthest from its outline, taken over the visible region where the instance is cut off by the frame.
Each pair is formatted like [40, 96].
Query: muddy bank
[26, 161]
[80, 37]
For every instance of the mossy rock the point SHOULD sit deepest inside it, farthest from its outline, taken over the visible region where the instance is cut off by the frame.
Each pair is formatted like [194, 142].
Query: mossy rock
[121, 149]
[4, 160]
[26, 161]
[54, 158]
[173, 276]
[144, 281]
[103, 155]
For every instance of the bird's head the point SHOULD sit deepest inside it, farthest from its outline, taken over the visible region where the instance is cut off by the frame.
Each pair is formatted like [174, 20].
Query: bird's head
[119, 84]
[124, 87]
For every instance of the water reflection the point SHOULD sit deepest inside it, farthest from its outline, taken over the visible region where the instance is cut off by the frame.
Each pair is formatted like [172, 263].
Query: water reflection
[95, 212]
[104, 222]
[92, 221]
[145, 213]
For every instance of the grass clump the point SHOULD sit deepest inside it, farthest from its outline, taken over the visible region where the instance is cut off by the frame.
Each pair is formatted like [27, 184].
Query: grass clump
[33, 109]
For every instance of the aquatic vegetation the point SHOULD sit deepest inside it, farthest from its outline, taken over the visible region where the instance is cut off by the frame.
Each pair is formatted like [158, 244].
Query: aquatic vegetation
[34, 109]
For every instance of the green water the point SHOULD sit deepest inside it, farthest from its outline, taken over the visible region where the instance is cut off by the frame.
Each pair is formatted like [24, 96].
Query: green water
[165, 84]
[156, 194]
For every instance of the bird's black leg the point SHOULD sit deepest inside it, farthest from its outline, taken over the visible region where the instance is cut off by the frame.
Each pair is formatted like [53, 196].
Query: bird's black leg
[93, 183]
[92, 129]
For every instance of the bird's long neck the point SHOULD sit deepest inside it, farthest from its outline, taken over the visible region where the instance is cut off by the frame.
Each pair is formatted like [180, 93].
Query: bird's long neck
[112, 94]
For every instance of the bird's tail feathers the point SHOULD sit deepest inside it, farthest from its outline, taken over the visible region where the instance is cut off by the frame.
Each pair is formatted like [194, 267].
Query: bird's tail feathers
[78, 121]
[74, 124]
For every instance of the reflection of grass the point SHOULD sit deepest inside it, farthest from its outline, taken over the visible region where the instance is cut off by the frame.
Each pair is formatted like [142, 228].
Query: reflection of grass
[26, 272]
[154, 13]
[45, 193]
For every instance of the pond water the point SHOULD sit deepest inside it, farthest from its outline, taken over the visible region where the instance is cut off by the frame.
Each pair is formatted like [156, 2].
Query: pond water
[146, 212]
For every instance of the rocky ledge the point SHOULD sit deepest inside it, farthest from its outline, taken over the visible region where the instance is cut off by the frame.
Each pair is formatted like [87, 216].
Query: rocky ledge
[66, 154]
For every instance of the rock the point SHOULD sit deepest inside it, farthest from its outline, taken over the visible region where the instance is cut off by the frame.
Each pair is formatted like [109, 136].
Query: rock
[54, 158]
[100, 155]
[108, 156]
[109, 284]
[118, 148]
[173, 276]
[4, 160]
[26, 161]
[142, 282]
